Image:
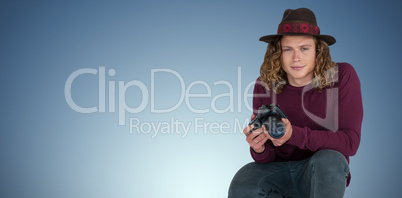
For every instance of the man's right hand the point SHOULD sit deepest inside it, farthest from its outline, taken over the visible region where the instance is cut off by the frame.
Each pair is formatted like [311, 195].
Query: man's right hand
[257, 138]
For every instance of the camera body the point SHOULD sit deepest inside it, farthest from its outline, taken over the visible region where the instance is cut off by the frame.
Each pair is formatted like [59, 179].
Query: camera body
[271, 117]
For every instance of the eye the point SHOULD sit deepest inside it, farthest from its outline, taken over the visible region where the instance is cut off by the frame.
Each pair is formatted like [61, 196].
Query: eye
[286, 49]
[304, 49]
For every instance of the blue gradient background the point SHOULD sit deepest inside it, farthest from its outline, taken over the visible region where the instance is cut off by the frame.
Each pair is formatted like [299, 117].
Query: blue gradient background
[49, 150]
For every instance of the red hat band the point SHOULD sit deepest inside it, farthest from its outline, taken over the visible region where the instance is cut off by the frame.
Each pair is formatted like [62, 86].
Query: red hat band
[298, 28]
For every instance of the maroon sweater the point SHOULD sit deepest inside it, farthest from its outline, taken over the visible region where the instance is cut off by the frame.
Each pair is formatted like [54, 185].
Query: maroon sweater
[331, 119]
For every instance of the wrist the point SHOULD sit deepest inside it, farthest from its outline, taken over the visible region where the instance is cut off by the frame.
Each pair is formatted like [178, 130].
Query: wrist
[260, 150]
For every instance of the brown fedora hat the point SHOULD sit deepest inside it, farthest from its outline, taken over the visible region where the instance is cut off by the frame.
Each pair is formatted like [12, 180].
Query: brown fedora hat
[299, 22]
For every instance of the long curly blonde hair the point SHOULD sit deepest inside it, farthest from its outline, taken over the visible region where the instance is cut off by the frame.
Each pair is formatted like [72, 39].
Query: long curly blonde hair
[274, 77]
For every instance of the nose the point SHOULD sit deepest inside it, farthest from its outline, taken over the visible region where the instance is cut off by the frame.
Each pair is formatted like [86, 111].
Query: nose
[296, 55]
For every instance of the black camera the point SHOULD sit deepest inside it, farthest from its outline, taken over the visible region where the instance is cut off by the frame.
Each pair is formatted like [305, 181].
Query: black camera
[271, 117]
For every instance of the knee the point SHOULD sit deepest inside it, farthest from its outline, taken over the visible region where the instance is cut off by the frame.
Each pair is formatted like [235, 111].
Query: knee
[243, 183]
[329, 161]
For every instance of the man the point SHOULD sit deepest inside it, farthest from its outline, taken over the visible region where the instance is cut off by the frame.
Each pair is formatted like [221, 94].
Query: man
[323, 104]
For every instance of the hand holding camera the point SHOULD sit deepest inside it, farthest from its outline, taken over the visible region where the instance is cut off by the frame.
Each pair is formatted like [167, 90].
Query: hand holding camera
[272, 119]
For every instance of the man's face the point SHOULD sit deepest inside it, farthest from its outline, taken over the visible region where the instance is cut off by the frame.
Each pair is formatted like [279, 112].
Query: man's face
[298, 59]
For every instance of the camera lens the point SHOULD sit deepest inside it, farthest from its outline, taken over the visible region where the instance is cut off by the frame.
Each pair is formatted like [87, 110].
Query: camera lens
[276, 127]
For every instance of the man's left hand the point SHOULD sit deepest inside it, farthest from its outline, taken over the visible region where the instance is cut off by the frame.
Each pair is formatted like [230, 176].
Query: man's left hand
[286, 137]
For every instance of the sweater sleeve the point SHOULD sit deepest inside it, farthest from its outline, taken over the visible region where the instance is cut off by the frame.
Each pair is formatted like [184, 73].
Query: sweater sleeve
[346, 138]
[267, 156]
[259, 95]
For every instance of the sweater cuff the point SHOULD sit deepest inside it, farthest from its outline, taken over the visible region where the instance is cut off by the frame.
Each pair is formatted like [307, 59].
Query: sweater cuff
[267, 156]
[299, 137]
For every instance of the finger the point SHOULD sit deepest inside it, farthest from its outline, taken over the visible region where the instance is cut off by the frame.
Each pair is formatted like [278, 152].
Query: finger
[260, 144]
[252, 116]
[285, 121]
[254, 134]
[259, 138]
[260, 141]
[264, 129]
[256, 137]
[247, 130]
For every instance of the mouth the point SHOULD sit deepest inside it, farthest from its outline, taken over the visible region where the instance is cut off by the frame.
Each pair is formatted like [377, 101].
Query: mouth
[297, 68]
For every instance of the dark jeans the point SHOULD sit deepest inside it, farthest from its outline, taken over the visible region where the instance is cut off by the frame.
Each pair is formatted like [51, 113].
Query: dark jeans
[322, 175]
